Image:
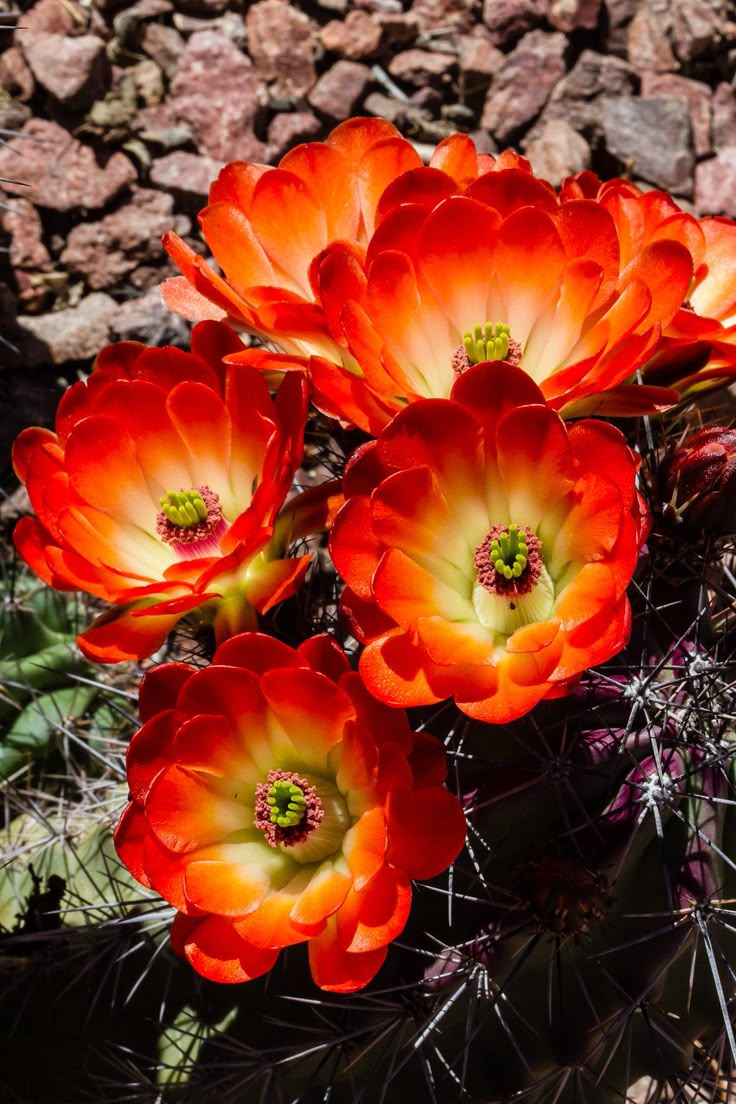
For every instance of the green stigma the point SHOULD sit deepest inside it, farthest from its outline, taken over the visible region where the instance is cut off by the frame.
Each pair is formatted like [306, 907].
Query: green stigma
[184, 508]
[509, 553]
[287, 803]
[489, 342]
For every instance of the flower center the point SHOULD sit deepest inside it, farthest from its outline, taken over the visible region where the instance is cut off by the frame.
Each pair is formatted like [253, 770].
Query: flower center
[287, 808]
[191, 522]
[185, 509]
[489, 342]
[492, 341]
[513, 587]
[508, 560]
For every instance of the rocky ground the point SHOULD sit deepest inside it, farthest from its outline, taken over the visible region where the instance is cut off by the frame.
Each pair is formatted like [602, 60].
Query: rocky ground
[115, 118]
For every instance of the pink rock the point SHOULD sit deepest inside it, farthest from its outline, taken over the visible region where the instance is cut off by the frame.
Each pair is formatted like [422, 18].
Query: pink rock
[50, 16]
[715, 184]
[398, 28]
[618, 14]
[558, 151]
[450, 15]
[215, 90]
[478, 60]
[73, 70]
[356, 37]
[647, 45]
[63, 173]
[521, 87]
[282, 43]
[695, 94]
[185, 173]
[508, 20]
[290, 128]
[15, 76]
[422, 67]
[340, 89]
[723, 106]
[698, 27]
[571, 15]
[164, 44]
[23, 224]
[104, 252]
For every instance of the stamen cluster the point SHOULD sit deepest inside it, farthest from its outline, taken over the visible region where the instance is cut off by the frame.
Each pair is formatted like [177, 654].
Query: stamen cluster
[287, 808]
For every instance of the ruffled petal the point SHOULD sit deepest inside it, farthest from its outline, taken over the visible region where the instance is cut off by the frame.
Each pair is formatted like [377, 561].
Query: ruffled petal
[339, 971]
[217, 952]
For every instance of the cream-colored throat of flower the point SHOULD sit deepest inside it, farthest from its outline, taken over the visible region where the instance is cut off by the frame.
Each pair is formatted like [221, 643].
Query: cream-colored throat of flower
[512, 587]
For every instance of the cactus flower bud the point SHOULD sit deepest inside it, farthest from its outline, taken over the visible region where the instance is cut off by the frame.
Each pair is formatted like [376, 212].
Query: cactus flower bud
[699, 482]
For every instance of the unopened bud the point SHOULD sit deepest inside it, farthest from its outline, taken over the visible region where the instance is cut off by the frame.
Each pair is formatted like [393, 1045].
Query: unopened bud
[698, 482]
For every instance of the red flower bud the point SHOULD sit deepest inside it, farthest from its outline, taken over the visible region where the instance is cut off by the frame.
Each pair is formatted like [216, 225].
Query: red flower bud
[698, 482]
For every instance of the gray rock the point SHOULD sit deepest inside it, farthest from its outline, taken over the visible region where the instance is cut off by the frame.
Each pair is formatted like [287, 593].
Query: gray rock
[558, 151]
[146, 319]
[577, 97]
[68, 335]
[215, 91]
[715, 184]
[654, 138]
[695, 94]
[522, 86]
[339, 90]
[65, 175]
[158, 124]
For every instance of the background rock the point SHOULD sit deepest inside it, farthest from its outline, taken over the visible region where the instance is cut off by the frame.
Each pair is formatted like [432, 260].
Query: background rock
[121, 115]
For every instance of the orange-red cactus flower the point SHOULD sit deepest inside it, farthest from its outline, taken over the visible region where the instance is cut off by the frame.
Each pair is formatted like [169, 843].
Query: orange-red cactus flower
[446, 274]
[697, 352]
[275, 802]
[162, 491]
[487, 546]
[266, 225]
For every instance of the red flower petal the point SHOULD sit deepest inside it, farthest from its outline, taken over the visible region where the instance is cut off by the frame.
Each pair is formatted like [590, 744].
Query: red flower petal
[338, 971]
[426, 831]
[217, 952]
[365, 846]
[187, 811]
[371, 917]
[129, 836]
[160, 688]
